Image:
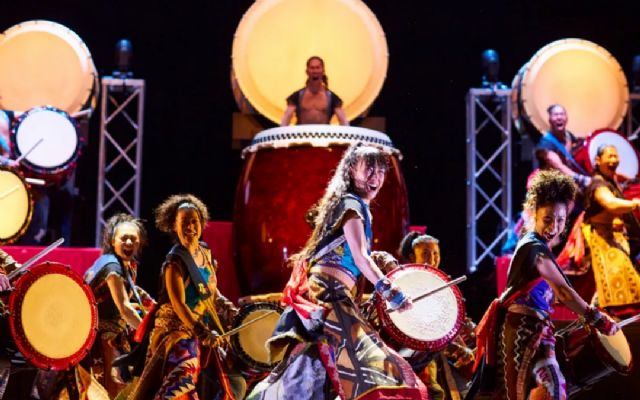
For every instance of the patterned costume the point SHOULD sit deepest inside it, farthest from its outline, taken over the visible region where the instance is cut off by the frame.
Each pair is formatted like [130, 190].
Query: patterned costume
[330, 348]
[516, 343]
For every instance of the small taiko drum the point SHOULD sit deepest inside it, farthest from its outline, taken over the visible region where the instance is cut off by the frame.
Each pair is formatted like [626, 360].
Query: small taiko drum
[587, 356]
[249, 343]
[53, 317]
[16, 205]
[45, 63]
[286, 171]
[578, 74]
[586, 155]
[47, 139]
[434, 321]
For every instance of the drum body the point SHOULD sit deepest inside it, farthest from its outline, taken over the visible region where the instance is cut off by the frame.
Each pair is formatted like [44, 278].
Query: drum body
[275, 30]
[45, 63]
[249, 343]
[286, 171]
[433, 322]
[586, 156]
[54, 318]
[49, 141]
[579, 75]
[16, 205]
[586, 357]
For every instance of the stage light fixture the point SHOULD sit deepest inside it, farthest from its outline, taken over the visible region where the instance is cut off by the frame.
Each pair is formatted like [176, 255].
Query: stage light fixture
[124, 58]
[491, 69]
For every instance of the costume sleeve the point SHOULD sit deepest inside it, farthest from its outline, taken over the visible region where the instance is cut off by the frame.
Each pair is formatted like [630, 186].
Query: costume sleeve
[336, 100]
[292, 100]
[347, 204]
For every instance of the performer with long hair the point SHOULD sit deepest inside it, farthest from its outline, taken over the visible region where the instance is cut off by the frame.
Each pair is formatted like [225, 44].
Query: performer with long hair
[330, 349]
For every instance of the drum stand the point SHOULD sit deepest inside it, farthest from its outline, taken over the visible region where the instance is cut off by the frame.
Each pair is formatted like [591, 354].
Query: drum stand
[115, 145]
[488, 174]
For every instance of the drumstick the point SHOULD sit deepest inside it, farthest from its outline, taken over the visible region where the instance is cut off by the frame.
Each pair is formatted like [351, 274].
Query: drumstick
[35, 258]
[8, 192]
[22, 156]
[434, 291]
[629, 321]
[35, 181]
[246, 324]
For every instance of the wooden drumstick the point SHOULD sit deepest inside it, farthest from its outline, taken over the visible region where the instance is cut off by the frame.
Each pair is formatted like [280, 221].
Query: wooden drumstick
[8, 192]
[246, 324]
[35, 181]
[22, 156]
[434, 291]
[629, 321]
[35, 258]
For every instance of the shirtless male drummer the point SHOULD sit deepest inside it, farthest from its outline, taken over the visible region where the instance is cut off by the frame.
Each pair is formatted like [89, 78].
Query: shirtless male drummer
[314, 103]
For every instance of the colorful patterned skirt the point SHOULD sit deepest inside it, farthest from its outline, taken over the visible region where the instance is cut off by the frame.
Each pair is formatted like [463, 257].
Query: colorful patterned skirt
[344, 356]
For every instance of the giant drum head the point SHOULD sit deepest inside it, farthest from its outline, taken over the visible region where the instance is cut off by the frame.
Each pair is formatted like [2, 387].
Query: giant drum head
[54, 318]
[45, 63]
[286, 171]
[16, 205]
[275, 38]
[581, 76]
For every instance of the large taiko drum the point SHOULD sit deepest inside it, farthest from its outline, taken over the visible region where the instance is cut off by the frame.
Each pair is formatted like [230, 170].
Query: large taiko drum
[586, 357]
[433, 322]
[586, 155]
[45, 63]
[286, 171]
[53, 317]
[16, 205]
[581, 76]
[275, 38]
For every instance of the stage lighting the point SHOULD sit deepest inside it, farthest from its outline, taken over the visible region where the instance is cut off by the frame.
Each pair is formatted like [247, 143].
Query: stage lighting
[635, 74]
[124, 57]
[490, 70]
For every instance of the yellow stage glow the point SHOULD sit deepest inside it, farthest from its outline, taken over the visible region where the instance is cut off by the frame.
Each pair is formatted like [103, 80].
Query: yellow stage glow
[275, 38]
[580, 75]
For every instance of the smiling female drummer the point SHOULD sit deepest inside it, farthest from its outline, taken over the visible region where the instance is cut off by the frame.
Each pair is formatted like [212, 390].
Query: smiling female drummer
[120, 302]
[330, 348]
[516, 334]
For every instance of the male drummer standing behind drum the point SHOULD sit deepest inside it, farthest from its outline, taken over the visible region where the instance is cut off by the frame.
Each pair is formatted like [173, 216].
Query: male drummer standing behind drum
[315, 103]
[556, 147]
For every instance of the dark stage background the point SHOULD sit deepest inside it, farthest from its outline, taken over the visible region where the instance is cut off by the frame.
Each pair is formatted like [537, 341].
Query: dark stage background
[183, 51]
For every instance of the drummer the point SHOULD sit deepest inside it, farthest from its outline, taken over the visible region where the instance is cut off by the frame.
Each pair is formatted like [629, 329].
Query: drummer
[557, 146]
[515, 339]
[315, 103]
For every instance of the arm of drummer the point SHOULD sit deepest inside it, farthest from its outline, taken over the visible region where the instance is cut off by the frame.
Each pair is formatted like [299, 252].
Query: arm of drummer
[288, 114]
[175, 289]
[121, 300]
[565, 293]
[7, 264]
[553, 159]
[342, 117]
[613, 204]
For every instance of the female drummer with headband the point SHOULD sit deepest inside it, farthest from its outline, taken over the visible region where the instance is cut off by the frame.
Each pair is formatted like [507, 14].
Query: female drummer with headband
[121, 303]
[515, 337]
[330, 349]
[187, 321]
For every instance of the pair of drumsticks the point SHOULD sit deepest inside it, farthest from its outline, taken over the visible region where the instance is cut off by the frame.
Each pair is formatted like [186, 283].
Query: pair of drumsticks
[29, 180]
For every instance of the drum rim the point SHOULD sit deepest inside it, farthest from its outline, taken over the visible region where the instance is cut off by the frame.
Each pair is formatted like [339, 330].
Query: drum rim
[525, 108]
[16, 298]
[412, 343]
[604, 354]
[67, 165]
[27, 220]
[244, 311]
[93, 89]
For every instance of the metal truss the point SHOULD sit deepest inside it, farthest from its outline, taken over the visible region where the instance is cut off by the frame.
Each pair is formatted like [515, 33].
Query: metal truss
[120, 154]
[632, 120]
[489, 173]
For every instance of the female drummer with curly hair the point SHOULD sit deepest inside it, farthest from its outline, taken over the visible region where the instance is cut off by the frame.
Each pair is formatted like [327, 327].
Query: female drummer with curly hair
[187, 321]
[516, 334]
[120, 302]
[330, 349]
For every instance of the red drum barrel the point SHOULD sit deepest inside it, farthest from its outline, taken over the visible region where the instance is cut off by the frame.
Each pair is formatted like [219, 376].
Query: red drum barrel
[286, 171]
[586, 357]
[628, 155]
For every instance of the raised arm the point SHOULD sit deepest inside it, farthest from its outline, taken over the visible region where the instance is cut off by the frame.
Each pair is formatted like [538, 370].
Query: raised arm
[613, 204]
